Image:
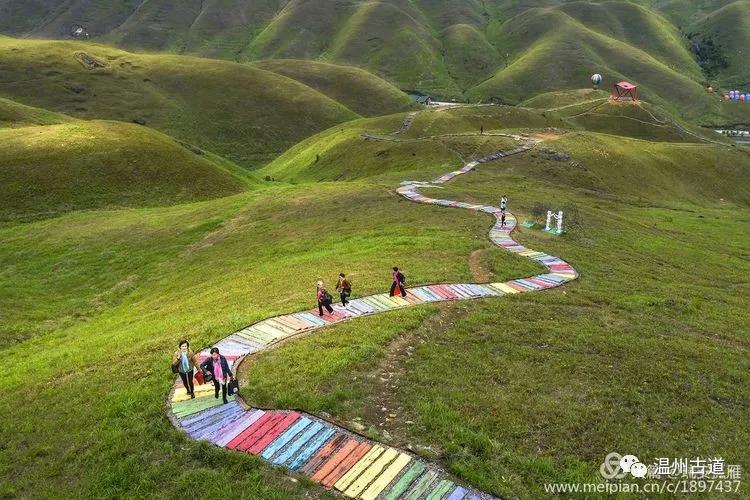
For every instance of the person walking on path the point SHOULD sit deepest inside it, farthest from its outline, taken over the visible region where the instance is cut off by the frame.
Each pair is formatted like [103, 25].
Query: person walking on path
[398, 282]
[344, 287]
[185, 362]
[218, 366]
[324, 299]
[503, 203]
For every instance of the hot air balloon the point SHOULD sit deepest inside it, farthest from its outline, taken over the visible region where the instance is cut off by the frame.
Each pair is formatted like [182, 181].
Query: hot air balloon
[596, 79]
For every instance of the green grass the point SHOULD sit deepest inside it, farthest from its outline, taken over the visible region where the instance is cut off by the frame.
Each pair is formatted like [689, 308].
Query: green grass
[13, 114]
[241, 112]
[358, 90]
[646, 352]
[51, 169]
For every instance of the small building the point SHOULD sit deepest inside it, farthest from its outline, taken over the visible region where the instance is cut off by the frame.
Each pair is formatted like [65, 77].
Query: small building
[423, 99]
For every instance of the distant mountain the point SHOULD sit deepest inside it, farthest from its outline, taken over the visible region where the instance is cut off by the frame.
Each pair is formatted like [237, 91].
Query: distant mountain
[480, 49]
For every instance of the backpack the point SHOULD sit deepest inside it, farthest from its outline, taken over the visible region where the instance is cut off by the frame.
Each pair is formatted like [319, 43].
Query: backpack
[327, 298]
[401, 277]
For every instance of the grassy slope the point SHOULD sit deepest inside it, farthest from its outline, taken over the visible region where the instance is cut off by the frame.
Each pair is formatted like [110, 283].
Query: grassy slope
[216, 267]
[655, 229]
[13, 114]
[437, 46]
[730, 28]
[52, 169]
[242, 112]
[565, 55]
[358, 90]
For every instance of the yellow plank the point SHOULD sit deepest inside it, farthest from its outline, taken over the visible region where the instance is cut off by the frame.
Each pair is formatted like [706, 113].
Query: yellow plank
[371, 473]
[386, 477]
[505, 288]
[357, 469]
[200, 390]
[400, 301]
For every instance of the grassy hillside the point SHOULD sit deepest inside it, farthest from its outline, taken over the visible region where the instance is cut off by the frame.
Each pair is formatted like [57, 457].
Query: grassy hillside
[242, 112]
[93, 302]
[358, 90]
[13, 114]
[729, 28]
[52, 169]
[471, 50]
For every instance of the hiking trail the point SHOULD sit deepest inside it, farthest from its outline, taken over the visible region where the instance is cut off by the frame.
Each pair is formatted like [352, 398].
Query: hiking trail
[326, 453]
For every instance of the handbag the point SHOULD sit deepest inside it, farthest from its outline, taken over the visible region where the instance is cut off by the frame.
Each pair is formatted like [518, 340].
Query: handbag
[234, 387]
[207, 376]
[176, 366]
[199, 377]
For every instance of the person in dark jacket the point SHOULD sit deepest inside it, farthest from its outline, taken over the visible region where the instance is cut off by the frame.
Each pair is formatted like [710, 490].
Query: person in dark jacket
[187, 362]
[324, 299]
[398, 282]
[344, 287]
[218, 366]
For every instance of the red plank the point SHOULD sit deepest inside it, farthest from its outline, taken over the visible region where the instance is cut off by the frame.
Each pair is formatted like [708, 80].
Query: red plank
[324, 454]
[346, 464]
[437, 291]
[239, 438]
[260, 432]
[447, 292]
[335, 460]
[273, 433]
[516, 286]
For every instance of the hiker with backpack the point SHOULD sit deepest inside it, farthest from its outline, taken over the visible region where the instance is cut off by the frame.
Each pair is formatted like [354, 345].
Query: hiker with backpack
[185, 362]
[398, 282]
[324, 299]
[218, 367]
[344, 287]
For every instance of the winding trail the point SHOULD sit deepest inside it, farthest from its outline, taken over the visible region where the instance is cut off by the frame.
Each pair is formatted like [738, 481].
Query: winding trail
[324, 452]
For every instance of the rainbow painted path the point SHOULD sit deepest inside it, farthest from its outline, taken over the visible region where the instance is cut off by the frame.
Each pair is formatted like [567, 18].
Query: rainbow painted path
[326, 453]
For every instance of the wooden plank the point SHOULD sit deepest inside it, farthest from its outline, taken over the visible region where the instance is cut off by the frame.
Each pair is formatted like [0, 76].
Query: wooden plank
[457, 494]
[325, 453]
[285, 437]
[347, 479]
[368, 475]
[421, 485]
[299, 441]
[505, 288]
[312, 448]
[231, 431]
[248, 433]
[273, 433]
[387, 476]
[440, 490]
[404, 481]
[345, 464]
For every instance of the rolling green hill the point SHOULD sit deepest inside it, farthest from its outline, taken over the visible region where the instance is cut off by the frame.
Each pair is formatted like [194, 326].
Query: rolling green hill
[473, 50]
[244, 113]
[52, 169]
[13, 114]
[93, 302]
[356, 89]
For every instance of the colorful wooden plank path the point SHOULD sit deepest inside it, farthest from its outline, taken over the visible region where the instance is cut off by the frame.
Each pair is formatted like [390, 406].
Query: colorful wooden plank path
[334, 457]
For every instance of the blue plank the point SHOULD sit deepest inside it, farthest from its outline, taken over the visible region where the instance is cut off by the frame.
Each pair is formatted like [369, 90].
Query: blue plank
[311, 448]
[285, 437]
[298, 443]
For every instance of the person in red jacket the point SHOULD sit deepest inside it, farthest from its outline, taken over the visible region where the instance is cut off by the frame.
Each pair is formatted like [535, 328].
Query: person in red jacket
[398, 282]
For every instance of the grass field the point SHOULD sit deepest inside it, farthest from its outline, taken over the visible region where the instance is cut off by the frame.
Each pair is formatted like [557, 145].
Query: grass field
[646, 352]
